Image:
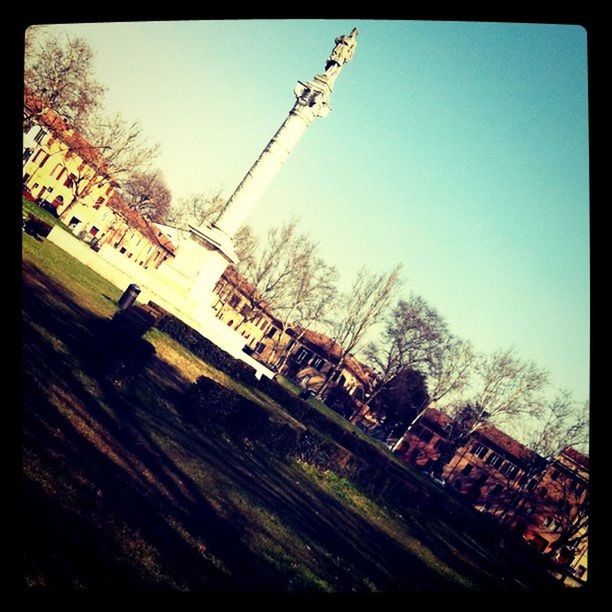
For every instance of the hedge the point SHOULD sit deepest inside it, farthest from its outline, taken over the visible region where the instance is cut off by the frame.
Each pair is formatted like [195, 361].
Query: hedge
[205, 349]
[37, 227]
[209, 405]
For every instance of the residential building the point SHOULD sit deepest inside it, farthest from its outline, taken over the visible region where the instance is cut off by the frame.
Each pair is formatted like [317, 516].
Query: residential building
[65, 174]
[545, 501]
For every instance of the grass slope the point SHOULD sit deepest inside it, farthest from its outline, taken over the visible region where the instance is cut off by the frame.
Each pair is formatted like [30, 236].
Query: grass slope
[120, 493]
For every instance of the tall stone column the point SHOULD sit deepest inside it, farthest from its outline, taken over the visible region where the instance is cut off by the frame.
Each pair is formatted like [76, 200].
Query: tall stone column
[312, 101]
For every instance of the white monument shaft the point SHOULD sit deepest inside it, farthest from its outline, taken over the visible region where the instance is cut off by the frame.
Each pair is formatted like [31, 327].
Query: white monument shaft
[313, 99]
[213, 243]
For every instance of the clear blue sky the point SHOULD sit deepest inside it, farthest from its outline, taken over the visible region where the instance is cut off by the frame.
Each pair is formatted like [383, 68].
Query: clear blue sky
[458, 149]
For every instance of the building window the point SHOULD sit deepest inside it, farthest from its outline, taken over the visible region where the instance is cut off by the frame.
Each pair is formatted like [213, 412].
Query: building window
[94, 230]
[509, 470]
[234, 301]
[44, 161]
[496, 490]
[554, 475]
[440, 445]
[317, 363]
[73, 222]
[417, 430]
[480, 450]
[122, 250]
[578, 489]
[302, 355]
[542, 491]
[99, 202]
[426, 435]
[271, 332]
[495, 460]
[260, 347]
[230, 322]
[39, 136]
[69, 182]
[39, 153]
[467, 469]
[551, 524]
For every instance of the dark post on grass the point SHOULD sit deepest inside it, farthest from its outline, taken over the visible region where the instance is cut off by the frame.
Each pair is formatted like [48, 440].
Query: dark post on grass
[129, 296]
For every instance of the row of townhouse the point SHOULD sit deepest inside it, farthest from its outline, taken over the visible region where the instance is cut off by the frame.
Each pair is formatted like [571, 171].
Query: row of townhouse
[545, 501]
[306, 356]
[63, 173]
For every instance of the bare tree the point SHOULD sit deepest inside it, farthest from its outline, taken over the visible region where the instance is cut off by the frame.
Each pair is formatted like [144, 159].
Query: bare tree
[563, 422]
[60, 70]
[148, 193]
[272, 269]
[310, 299]
[506, 388]
[31, 37]
[245, 245]
[411, 339]
[115, 150]
[364, 306]
[196, 209]
[447, 375]
[567, 510]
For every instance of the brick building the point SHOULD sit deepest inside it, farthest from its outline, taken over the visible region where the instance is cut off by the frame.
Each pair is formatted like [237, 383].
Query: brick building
[545, 501]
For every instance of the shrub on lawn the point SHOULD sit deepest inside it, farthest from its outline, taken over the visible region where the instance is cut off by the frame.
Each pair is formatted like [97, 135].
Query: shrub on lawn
[211, 405]
[118, 350]
[205, 349]
[297, 407]
[37, 227]
[208, 403]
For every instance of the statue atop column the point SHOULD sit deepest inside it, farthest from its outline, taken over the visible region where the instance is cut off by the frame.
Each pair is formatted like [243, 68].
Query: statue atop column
[343, 51]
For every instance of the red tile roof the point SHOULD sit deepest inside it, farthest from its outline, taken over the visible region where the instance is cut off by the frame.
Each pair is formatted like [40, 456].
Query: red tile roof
[436, 416]
[580, 458]
[62, 131]
[320, 341]
[505, 442]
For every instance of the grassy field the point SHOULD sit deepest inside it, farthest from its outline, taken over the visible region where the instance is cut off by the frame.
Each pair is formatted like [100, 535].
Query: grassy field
[121, 493]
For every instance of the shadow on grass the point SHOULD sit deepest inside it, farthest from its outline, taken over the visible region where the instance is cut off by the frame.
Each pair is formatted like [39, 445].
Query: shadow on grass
[110, 504]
